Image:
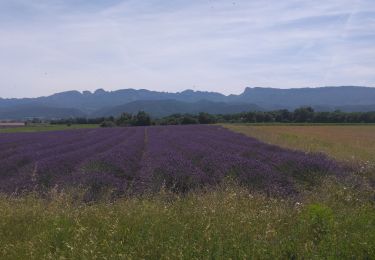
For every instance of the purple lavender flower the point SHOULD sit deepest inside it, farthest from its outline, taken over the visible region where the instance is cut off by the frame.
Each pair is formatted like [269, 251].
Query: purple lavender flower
[179, 158]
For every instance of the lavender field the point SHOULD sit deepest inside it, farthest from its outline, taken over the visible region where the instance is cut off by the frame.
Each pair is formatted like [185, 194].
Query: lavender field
[182, 192]
[146, 159]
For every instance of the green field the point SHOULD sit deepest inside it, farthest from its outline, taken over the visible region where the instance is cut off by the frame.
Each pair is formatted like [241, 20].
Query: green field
[44, 127]
[333, 221]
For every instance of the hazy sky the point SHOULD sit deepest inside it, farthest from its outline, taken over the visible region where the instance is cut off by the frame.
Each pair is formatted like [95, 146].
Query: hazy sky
[47, 46]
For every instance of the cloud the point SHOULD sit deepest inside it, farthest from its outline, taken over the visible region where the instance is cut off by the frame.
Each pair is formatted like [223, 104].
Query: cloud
[218, 45]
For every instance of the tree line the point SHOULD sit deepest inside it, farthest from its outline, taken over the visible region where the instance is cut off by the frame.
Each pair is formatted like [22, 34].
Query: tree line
[300, 115]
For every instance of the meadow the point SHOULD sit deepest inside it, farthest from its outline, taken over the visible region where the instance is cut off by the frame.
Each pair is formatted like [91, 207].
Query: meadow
[335, 222]
[184, 192]
[45, 127]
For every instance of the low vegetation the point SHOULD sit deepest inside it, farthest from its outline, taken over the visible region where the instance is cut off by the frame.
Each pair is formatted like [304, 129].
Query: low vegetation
[46, 127]
[351, 144]
[334, 221]
[333, 217]
[141, 159]
[345, 143]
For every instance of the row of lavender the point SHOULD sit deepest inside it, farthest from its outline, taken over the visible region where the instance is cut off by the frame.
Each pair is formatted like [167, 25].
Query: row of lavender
[146, 158]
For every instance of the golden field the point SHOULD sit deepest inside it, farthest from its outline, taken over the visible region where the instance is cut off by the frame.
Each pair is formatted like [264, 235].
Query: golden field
[343, 142]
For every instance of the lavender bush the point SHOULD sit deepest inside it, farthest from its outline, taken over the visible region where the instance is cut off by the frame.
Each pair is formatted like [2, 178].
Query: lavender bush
[143, 159]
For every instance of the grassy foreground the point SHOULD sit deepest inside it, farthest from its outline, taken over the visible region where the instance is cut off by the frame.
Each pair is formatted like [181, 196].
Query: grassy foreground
[332, 222]
[44, 127]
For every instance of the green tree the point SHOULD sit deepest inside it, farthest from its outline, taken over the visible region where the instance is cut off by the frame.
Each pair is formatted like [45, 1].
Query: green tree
[125, 119]
[303, 114]
[142, 119]
[205, 118]
[188, 120]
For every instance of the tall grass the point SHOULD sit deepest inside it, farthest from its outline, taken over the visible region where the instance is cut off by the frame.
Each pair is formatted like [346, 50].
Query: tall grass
[333, 221]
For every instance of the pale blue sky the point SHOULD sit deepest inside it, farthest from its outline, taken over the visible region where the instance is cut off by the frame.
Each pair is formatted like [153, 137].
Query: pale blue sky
[47, 46]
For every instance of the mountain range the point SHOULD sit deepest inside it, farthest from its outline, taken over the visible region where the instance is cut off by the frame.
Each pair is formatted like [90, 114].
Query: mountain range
[158, 104]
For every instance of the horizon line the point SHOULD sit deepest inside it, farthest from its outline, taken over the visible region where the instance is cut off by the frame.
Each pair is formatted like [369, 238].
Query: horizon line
[188, 89]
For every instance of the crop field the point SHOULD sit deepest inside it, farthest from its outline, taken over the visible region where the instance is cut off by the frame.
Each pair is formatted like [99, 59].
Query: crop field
[181, 192]
[44, 128]
[145, 159]
[343, 142]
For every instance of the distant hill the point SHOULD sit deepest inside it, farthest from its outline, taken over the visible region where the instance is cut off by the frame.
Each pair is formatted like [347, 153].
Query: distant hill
[160, 108]
[329, 97]
[21, 112]
[90, 102]
[72, 103]
[356, 108]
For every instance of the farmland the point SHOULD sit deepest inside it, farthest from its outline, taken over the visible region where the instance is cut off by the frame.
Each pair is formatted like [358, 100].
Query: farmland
[144, 159]
[45, 128]
[179, 192]
[343, 142]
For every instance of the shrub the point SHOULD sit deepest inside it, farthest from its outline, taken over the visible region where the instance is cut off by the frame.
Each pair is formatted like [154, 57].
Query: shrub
[107, 124]
[318, 221]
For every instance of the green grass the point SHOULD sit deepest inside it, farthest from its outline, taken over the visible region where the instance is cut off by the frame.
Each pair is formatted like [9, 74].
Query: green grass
[45, 127]
[333, 222]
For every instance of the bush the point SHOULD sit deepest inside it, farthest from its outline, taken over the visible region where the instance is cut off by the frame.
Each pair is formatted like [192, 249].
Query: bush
[142, 119]
[189, 120]
[318, 220]
[125, 119]
[205, 118]
[107, 124]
